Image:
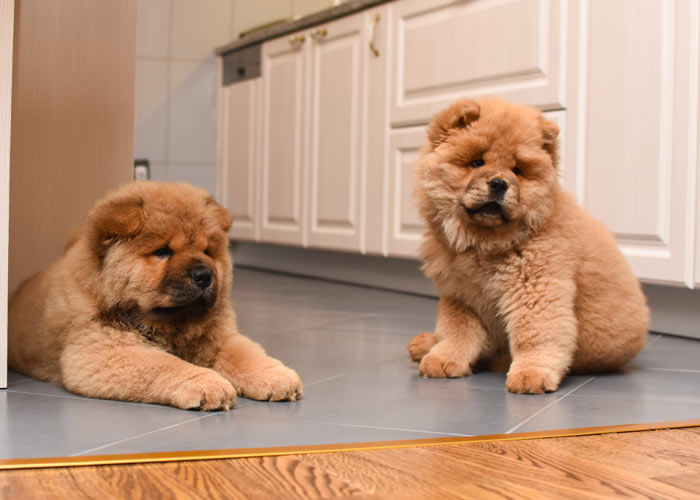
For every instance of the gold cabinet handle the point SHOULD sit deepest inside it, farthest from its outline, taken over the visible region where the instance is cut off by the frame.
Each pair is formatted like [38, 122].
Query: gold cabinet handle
[297, 41]
[373, 27]
[319, 33]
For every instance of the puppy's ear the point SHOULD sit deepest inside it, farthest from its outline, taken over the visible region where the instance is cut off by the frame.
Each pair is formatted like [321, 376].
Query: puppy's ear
[221, 215]
[113, 219]
[460, 115]
[550, 131]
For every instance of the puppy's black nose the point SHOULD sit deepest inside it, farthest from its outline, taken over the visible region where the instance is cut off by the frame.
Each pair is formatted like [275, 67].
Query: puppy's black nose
[498, 186]
[201, 277]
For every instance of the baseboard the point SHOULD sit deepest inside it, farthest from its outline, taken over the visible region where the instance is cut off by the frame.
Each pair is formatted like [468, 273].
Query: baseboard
[674, 310]
[401, 275]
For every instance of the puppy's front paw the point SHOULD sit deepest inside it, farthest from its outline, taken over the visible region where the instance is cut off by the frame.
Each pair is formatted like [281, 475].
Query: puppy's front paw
[439, 365]
[421, 345]
[276, 383]
[206, 391]
[532, 380]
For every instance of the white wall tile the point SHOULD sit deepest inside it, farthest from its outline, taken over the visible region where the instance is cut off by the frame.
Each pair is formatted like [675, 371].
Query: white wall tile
[199, 175]
[151, 110]
[153, 32]
[192, 112]
[247, 14]
[198, 27]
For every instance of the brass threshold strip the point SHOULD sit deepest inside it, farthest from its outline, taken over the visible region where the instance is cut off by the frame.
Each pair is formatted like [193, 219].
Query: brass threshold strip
[179, 456]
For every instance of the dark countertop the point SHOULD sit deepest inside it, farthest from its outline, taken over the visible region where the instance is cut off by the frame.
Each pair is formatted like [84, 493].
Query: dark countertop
[259, 36]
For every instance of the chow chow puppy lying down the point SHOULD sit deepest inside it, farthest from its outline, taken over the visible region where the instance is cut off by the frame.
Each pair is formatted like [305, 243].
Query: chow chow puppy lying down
[138, 308]
[528, 281]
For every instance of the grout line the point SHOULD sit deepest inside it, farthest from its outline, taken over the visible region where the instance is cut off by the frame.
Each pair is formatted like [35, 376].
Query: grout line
[11, 384]
[539, 412]
[653, 341]
[682, 370]
[140, 435]
[398, 429]
[77, 397]
[354, 370]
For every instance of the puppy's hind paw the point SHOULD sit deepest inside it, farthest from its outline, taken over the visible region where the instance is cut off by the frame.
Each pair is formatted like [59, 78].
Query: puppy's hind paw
[421, 345]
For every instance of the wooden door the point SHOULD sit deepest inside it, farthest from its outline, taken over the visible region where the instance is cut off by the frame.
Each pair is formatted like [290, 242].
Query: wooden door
[6, 30]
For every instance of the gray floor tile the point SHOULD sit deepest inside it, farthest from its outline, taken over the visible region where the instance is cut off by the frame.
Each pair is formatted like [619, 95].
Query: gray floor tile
[669, 341]
[253, 321]
[348, 343]
[667, 358]
[38, 387]
[590, 411]
[318, 353]
[407, 325]
[238, 430]
[408, 402]
[646, 385]
[40, 426]
[15, 378]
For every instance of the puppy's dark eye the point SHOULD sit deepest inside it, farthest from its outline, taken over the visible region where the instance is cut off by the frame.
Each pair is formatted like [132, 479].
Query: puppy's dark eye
[517, 171]
[477, 163]
[207, 251]
[163, 253]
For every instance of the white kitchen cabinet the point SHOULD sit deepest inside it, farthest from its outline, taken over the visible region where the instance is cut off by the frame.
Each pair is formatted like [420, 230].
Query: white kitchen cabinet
[238, 172]
[316, 128]
[336, 139]
[447, 49]
[341, 128]
[405, 227]
[634, 71]
[283, 162]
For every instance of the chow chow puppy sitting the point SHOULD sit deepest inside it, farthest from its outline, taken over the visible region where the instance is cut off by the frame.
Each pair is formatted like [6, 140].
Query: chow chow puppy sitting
[138, 308]
[528, 281]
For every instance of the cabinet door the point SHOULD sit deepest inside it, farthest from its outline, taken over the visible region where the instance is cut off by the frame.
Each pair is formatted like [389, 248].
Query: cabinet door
[282, 156]
[449, 49]
[336, 139]
[405, 227]
[635, 115]
[238, 157]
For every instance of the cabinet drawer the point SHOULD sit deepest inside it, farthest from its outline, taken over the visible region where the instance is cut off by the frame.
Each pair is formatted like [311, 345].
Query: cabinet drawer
[447, 49]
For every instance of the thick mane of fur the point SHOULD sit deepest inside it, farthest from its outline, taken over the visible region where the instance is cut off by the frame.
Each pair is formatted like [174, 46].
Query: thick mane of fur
[441, 177]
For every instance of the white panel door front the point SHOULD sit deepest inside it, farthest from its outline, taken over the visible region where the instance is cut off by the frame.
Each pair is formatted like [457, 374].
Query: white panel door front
[405, 228]
[637, 153]
[449, 49]
[337, 159]
[238, 163]
[282, 156]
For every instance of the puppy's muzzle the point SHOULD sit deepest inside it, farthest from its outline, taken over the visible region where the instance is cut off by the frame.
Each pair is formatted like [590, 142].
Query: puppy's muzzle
[201, 276]
[498, 187]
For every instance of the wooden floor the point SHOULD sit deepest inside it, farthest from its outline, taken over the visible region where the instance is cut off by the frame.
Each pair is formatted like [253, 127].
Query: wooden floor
[662, 464]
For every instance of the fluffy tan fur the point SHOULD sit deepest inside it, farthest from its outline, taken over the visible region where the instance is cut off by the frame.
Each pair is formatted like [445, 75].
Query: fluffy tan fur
[138, 308]
[528, 281]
